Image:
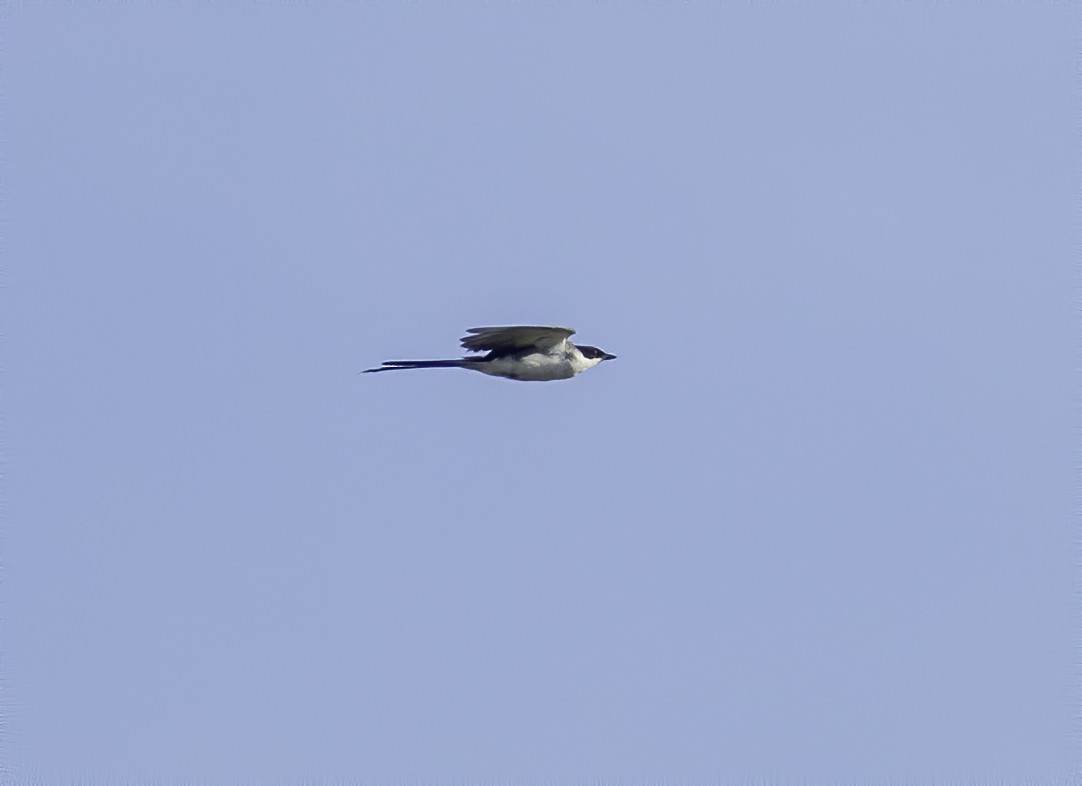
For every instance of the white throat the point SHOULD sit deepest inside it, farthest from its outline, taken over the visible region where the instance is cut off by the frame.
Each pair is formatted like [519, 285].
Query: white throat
[580, 362]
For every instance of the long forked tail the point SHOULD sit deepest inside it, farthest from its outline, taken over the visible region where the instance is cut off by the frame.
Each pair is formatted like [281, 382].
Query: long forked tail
[399, 365]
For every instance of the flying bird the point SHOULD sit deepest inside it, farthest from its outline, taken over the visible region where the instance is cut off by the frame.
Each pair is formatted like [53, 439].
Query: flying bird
[528, 354]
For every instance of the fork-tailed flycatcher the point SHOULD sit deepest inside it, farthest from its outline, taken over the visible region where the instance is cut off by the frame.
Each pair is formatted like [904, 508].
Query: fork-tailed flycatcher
[529, 354]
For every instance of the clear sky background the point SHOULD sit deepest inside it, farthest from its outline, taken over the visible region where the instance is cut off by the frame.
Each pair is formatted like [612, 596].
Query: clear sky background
[814, 522]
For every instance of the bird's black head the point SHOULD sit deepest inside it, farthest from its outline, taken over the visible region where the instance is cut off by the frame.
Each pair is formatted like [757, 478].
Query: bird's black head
[593, 353]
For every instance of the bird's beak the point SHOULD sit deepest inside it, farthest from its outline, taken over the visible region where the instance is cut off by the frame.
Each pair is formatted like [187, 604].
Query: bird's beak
[607, 356]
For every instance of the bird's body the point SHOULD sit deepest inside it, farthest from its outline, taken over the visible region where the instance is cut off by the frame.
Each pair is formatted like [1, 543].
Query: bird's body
[524, 353]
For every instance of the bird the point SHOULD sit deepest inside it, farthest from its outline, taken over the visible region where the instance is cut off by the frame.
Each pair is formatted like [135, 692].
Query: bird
[520, 352]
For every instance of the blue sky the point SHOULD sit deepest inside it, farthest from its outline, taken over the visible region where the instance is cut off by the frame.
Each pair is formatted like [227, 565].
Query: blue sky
[814, 522]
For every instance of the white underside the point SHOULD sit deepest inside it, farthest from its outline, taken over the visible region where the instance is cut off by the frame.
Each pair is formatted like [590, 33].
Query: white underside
[563, 362]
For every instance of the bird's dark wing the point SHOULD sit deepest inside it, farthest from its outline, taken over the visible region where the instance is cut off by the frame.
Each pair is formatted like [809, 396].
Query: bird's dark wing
[509, 339]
